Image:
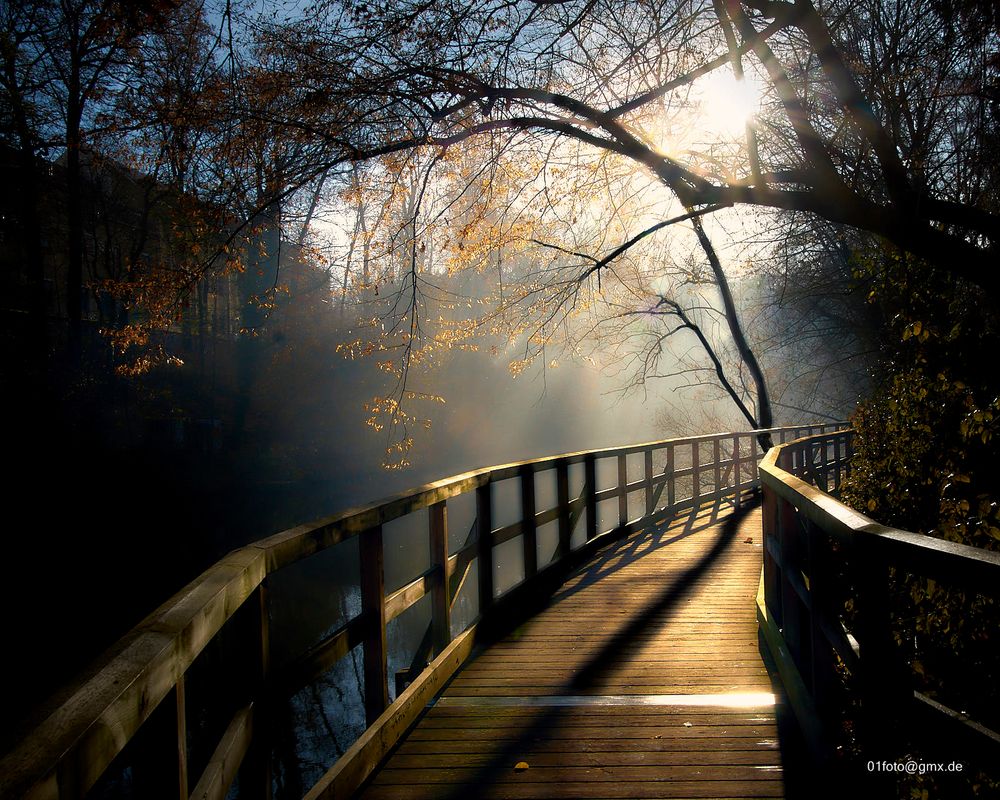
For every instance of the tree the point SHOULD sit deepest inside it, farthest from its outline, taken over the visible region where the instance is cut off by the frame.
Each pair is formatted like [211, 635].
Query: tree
[581, 82]
[828, 143]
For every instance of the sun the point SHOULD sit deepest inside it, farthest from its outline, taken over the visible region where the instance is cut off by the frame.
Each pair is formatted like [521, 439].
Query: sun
[726, 104]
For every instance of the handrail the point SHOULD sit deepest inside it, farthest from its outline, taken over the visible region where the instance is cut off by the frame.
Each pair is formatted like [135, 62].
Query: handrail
[815, 550]
[139, 695]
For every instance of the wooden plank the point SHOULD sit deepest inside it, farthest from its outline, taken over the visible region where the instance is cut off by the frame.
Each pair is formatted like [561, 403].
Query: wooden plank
[695, 473]
[558, 774]
[647, 471]
[507, 532]
[405, 596]
[772, 555]
[588, 747]
[528, 790]
[225, 761]
[590, 494]
[717, 464]
[180, 703]
[373, 613]
[354, 767]
[703, 758]
[792, 590]
[622, 491]
[528, 535]
[440, 600]
[670, 472]
[562, 503]
[484, 545]
[500, 705]
[737, 464]
[791, 679]
[263, 620]
[449, 715]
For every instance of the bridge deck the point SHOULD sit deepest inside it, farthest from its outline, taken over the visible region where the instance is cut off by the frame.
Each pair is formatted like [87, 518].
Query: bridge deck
[628, 685]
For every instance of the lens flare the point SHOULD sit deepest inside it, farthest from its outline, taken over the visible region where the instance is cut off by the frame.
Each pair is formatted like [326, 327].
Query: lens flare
[727, 104]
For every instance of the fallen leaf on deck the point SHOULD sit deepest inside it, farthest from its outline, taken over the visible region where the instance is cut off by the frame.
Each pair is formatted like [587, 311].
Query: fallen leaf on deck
[521, 766]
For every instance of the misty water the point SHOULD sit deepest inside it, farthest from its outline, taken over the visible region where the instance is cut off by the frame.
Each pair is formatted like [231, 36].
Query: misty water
[489, 418]
[313, 598]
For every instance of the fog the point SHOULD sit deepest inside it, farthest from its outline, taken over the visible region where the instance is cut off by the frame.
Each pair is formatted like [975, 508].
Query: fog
[153, 478]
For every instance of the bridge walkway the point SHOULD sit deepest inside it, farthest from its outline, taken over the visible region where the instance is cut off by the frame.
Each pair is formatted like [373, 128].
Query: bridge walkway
[642, 678]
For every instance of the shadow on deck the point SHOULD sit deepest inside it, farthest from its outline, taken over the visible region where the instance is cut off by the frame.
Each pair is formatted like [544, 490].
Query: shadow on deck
[641, 677]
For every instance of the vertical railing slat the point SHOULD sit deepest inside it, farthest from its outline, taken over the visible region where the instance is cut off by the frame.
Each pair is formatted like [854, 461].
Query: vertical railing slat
[590, 486]
[671, 480]
[180, 700]
[255, 772]
[622, 490]
[717, 463]
[484, 548]
[737, 466]
[821, 607]
[562, 499]
[647, 466]
[373, 609]
[789, 547]
[528, 529]
[771, 569]
[695, 474]
[440, 601]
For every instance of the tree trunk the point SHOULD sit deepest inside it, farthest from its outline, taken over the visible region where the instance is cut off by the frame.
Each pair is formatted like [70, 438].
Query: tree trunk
[765, 417]
[74, 220]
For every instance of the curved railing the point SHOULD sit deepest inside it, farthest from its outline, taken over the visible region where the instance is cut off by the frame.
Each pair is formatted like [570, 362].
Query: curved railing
[832, 619]
[151, 714]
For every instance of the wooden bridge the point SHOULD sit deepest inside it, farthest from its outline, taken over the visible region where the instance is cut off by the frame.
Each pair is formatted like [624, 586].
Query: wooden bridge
[587, 625]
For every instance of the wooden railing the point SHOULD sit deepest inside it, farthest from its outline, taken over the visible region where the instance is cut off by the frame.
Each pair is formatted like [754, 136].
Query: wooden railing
[832, 619]
[135, 717]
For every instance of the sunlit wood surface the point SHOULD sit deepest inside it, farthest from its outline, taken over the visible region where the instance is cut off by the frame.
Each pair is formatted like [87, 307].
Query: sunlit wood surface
[577, 701]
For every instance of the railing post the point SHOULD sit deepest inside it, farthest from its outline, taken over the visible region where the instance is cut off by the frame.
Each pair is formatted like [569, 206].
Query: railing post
[837, 466]
[528, 529]
[562, 499]
[695, 474]
[373, 609]
[789, 548]
[823, 677]
[671, 480]
[255, 770]
[180, 699]
[484, 548]
[717, 472]
[622, 490]
[647, 465]
[771, 567]
[590, 491]
[440, 601]
[737, 467]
